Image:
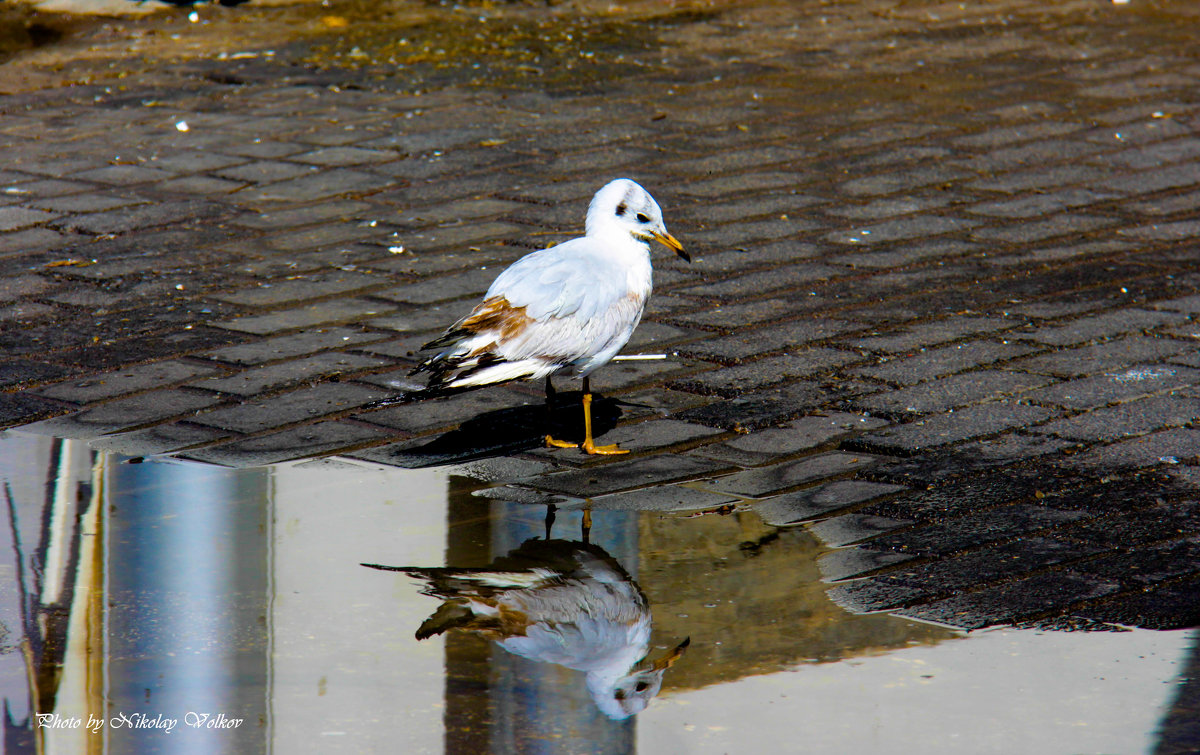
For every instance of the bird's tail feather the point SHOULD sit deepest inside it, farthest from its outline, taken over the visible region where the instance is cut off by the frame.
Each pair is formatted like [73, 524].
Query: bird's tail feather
[448, 582]
[449, 615]
[453, 373]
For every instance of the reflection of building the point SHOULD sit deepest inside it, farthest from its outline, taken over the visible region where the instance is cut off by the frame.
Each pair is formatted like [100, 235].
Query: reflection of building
[751, 597]
[162, 593]
[140, 593]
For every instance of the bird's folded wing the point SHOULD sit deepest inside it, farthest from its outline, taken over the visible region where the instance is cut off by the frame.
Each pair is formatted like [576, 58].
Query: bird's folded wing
[563, 281]
[570, 338]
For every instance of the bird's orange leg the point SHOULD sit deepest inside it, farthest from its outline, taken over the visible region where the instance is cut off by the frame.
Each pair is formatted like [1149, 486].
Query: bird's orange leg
[589, 445]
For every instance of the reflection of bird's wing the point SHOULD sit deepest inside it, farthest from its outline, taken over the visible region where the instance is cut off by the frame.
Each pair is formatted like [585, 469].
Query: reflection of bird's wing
[448, 583]
[558, 601]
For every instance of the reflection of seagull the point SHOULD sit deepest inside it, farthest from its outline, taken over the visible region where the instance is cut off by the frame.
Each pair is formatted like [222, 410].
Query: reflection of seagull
[560, 602]
[569, 308]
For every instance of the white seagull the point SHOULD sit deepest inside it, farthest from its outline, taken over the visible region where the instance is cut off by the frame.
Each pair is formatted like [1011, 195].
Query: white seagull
[567, 309]
[557, 601]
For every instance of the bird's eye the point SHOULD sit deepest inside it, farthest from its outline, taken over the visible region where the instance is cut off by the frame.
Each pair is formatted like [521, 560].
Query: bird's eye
[643, 217]
[641, 686]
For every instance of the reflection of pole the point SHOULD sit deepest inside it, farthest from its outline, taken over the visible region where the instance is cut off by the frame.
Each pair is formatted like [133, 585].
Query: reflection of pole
[187, 557]
[31, 641]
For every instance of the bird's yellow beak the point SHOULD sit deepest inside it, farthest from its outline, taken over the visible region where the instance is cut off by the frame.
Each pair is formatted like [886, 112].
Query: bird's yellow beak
[671, 243]
[668, 660]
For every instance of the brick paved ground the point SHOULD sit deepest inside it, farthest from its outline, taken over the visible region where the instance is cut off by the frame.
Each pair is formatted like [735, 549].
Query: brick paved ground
[945, 294]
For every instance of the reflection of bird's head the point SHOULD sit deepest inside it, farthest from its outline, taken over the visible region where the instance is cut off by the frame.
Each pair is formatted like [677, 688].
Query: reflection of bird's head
[629, 694]
[624, 208]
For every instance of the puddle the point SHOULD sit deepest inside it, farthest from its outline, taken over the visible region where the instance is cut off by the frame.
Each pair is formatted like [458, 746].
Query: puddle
[181, 607]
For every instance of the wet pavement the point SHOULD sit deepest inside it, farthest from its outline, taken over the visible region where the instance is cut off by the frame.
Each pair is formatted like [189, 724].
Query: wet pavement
[936, 353]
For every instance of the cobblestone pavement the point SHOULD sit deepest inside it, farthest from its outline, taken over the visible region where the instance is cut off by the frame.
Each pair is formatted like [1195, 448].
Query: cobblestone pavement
[944, 301]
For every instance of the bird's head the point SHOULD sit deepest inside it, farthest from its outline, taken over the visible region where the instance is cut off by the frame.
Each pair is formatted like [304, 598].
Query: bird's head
[624, 206]
[630, 693]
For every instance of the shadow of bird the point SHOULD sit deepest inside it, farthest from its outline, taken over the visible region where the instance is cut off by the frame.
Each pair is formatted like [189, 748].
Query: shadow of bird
[509, 430]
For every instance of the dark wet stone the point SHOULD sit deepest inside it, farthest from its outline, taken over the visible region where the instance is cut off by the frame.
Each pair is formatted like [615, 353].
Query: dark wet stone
[660, 435]
[19, 371]
[128, 413]
[1171, 606]
[955, 427]
[1143, 525]
[327, 313]
[994, 454]
[853, 528]
[662, 498]
[978, 528]
[291, 346]
[859, 561]
[303, 288]
[15, 410]
[294, 443]
[1150, 566]
[757, 410]
[160, 439]
[1133, 418]
[135, 349]
[765, 481]
[1012, 602]
[917, 584]
[819, 501]
[945, 360]
[730, 382]
[126, 381]
[627, 475]
[942, 394]
[1102, 357]
[297, 406]
[769, 445]
[732, 349]
[325, 366]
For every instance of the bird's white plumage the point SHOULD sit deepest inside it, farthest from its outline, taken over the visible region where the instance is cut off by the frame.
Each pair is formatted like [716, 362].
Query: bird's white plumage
[569, 308]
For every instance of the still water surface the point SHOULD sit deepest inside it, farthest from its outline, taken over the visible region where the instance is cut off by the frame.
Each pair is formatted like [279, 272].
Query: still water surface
[185, 608]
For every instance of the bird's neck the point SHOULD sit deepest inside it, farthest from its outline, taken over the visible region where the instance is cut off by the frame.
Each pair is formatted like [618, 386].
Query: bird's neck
[617, 238]
[632, 253]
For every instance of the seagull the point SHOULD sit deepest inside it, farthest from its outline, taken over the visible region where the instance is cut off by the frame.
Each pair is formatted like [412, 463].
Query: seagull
[557, 601]
[567, 309]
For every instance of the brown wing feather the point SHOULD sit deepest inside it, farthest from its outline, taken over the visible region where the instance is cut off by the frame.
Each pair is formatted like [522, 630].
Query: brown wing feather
[495, 314]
